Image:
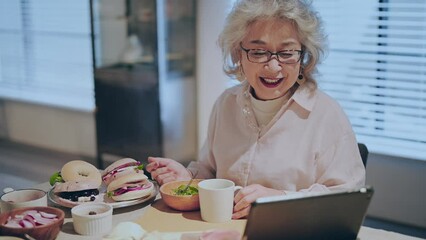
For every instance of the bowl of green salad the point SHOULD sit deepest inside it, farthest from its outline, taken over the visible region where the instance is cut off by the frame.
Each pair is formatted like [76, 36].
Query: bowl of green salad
[176, 196]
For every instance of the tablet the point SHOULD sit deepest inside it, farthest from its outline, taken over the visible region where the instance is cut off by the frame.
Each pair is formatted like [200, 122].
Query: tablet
[332, 215]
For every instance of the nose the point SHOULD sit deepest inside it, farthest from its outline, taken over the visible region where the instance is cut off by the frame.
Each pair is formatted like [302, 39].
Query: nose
[273, 64]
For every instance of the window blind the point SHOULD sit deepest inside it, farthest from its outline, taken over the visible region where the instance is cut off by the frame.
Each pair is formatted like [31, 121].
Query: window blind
[376, 70]
[46, 53]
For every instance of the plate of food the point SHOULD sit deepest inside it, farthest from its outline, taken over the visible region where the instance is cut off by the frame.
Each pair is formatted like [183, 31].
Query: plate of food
[121, 184]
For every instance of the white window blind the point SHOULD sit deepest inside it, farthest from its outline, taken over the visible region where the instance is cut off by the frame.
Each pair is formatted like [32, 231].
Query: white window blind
[376, 69]
[46, 52]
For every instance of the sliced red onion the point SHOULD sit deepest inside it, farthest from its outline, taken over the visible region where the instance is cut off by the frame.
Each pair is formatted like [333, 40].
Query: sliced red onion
[119, 191]
[147, 185]
[120, 168]
[30, 219]
[44, 221]
[26, 224]
[33, 214]
[131, 188]
[48, 215]
[13, 224]
[30, 212]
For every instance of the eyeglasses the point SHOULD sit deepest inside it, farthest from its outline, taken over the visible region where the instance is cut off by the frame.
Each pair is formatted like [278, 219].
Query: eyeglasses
[264, 56]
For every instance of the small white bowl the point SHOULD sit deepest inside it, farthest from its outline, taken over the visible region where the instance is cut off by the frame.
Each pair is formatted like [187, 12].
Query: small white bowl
[22, 198]
[87, 224]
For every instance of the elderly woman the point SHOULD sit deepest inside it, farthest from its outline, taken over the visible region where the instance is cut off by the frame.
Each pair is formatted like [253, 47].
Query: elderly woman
[276, 132]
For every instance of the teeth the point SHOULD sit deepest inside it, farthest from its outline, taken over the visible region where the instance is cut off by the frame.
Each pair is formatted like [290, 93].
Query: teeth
[269, 80]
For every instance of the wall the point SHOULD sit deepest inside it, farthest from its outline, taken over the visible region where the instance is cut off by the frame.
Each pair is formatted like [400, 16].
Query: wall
[51, 128]
[211, 80]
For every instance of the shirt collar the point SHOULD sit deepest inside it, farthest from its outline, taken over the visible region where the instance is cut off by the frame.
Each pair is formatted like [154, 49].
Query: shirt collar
[305, 97]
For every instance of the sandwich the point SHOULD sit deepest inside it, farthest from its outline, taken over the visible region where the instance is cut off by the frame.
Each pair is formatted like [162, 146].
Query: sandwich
[129, 187]
[120, 168]
[77, 191]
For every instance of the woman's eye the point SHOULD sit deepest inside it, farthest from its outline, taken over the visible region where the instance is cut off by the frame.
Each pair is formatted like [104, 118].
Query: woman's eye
[285, 55]
[259, 53]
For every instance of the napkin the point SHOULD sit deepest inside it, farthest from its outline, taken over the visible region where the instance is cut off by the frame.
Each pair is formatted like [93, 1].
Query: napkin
[133, 231]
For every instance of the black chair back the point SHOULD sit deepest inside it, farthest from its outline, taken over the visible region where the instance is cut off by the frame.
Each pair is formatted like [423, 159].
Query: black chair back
[363, 150]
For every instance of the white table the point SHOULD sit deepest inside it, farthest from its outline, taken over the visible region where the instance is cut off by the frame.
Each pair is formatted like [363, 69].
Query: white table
[136, 213]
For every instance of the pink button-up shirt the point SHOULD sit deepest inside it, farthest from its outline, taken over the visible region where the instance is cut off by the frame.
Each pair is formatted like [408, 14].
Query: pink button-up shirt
[309, 145]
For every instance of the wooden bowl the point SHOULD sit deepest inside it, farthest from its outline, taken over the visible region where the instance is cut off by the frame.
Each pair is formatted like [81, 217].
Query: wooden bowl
[48, 231]
[180, 202]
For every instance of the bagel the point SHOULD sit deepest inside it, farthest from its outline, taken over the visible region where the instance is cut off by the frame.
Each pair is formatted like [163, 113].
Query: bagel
[129, 187]
[76, 191]
[120, 168]
[74, 186]
[78, 170]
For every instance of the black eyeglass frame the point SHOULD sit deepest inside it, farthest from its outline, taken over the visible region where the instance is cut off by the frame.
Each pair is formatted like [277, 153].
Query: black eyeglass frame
[272, 54]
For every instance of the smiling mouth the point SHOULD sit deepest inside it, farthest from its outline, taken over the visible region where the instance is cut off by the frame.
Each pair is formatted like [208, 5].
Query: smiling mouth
[271, 82]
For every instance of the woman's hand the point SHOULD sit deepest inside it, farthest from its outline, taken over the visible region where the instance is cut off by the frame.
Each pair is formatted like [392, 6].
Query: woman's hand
[165, 170]
[249, 194]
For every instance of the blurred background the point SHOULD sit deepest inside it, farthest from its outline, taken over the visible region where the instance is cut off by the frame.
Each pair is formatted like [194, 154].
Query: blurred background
[103, 79]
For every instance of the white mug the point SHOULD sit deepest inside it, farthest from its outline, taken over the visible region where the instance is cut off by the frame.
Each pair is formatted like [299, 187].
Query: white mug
[217, 199]
[22, 198]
